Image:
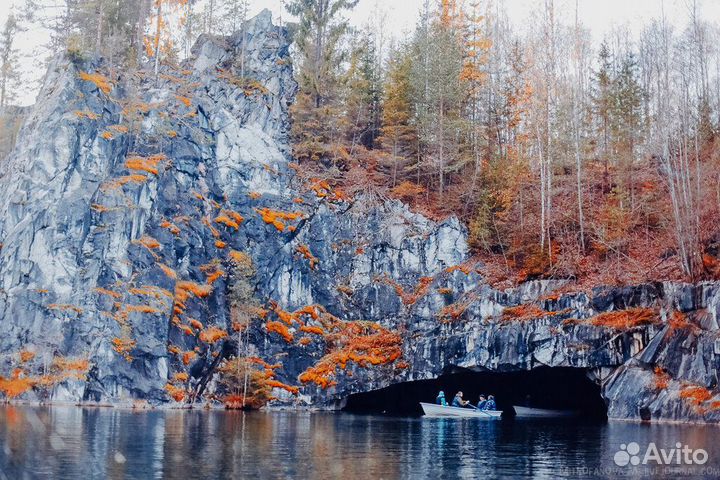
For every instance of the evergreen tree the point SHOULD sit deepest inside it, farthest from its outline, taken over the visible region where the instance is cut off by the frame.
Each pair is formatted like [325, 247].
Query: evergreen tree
[9, 73]
[602, 101]
[398, 134]
[317, 112]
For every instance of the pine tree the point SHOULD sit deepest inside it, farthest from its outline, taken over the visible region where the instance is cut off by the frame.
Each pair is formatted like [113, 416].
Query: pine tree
[626, 118]
[398, 134]
[440, 92]
[602, 103]
[9, 73]
[317, 111]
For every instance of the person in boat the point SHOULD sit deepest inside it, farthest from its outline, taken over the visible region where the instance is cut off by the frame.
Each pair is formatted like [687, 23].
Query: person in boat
[459, 402]
[490, 404]
[440, 400]
[481, 402]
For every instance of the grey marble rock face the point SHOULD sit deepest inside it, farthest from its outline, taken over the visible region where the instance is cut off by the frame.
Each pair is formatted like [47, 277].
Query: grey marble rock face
[76, 224]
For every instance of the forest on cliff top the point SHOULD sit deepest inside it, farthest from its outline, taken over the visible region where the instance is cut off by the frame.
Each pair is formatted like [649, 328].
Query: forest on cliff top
[565, 157]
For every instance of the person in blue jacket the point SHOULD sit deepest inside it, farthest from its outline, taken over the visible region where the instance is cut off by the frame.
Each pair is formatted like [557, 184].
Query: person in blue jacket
[440, 400]
[481, 402]
[490, 404]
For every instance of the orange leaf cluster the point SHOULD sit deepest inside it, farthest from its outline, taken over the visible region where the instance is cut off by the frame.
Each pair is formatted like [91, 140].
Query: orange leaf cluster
[184, 100]
[15, 386]
[312, 329]
[174, 229]
[625, 319]
[86, 114]
[409, 298]
[123, 346]
[145, 164]
[464, 268]
[169, 272]
[679, 321]
[662, 379]
[277, 384]
[177, 393]
[109, 293]
[276, 217]
[102, 83]
[305, 252]
[225, 219]
[124, 180]
[212, 335]
[220, 244]
[185, 289]
[280, 328]
[188, 357]
[65, 307]
[142, 309]
[26, 356]
[696, 394]
[523, 312]
[363, 343]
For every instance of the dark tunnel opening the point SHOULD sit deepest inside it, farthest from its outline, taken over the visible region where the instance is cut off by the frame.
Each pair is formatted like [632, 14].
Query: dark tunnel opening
[563, 388]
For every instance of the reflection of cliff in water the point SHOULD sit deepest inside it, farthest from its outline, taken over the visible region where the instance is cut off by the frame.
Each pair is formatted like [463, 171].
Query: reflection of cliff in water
[70, 442]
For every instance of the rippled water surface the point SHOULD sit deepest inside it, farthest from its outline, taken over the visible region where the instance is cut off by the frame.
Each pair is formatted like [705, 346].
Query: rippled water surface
[77, 443]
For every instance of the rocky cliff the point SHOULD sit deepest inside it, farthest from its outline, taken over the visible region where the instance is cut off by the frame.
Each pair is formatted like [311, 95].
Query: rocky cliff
[130, 203]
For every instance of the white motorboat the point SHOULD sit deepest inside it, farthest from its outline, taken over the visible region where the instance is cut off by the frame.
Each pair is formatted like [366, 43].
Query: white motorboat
[542, 412]
[433, 410]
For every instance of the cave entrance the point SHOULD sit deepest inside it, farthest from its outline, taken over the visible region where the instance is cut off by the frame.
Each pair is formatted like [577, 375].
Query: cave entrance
[543, 387]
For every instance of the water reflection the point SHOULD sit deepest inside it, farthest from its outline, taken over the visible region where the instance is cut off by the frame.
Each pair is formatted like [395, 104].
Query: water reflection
[73, 443]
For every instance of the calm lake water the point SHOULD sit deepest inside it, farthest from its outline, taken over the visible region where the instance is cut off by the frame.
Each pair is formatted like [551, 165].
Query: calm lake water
[77, 443]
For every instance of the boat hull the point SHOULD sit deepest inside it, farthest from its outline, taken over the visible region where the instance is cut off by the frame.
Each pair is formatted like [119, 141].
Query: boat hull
[433, 410]
[542, 412]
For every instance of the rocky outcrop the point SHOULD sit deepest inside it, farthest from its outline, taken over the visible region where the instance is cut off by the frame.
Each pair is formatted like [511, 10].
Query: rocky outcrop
[128, 206]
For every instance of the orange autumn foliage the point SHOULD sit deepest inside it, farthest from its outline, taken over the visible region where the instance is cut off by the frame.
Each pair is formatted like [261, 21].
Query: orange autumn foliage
[65, 307]
[523, 312]
[695, 394]
[26, 356]
[102, 83]
[409, 298]
[148, 242]
[174, 229]
[124, 180]
[225, 219]
[312, 329]
[123, 346]
[212, 335]
[15, 386]
[177, 393]
[305, 252]
[188, 357]
[184, 100]
[169, 272]
[145, 164]
[625, 319]
[662, 379]
[110, 293]
[363, 343]
[280, 328]
[277, 384]
[276, 217]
